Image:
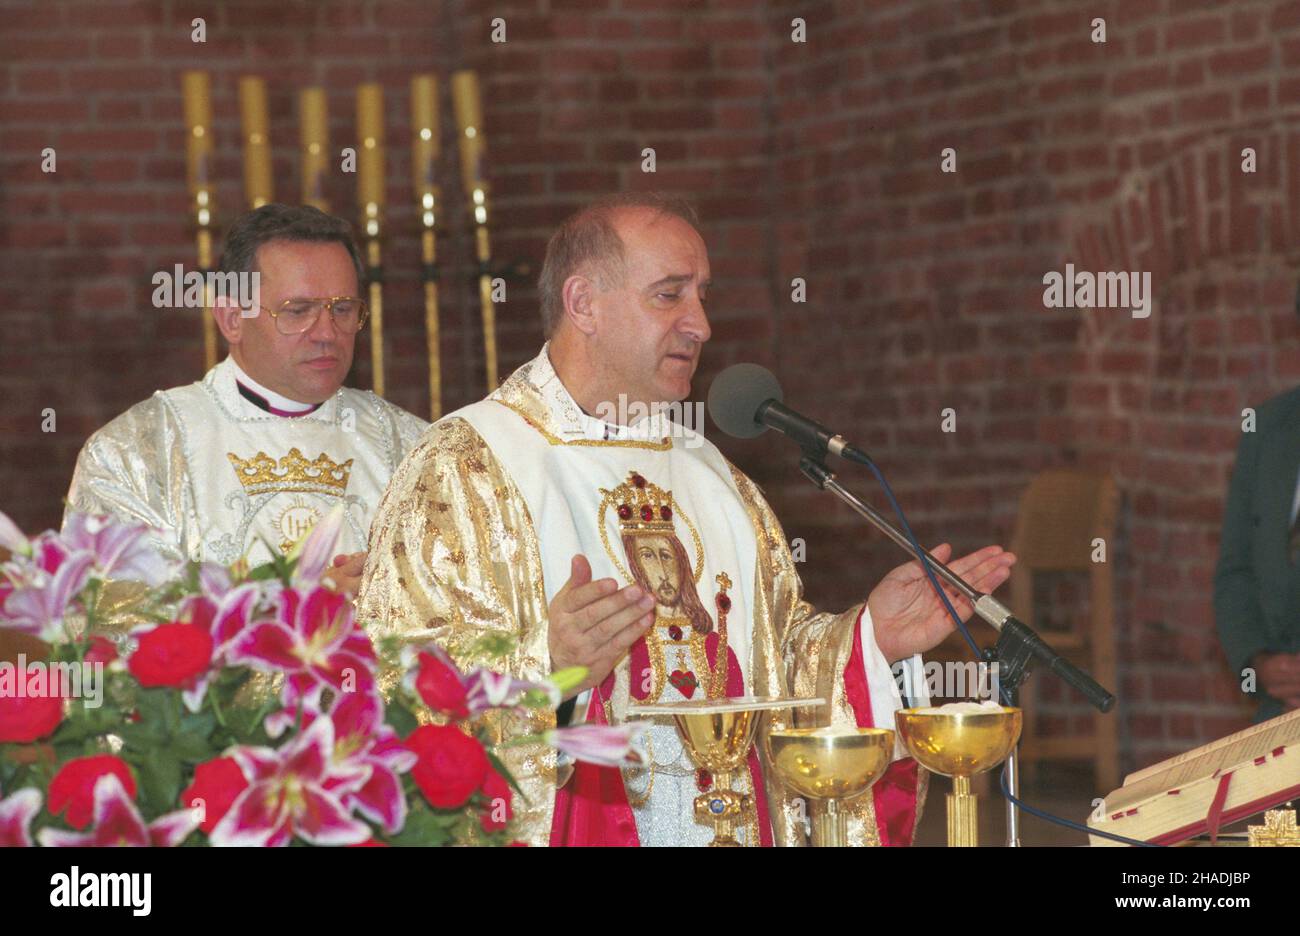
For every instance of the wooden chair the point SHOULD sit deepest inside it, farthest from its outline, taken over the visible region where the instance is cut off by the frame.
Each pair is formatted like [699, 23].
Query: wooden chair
[1062, 514]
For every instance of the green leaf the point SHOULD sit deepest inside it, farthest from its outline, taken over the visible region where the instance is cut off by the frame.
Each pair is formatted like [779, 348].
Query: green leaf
[160, 782]
[500, 768]
[401, 718]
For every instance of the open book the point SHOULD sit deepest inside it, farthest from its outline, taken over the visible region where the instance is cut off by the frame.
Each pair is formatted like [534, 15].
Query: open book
[1223, 782]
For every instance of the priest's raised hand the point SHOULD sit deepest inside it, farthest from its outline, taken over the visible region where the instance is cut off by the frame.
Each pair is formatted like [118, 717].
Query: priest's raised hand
[907, 614]
[592, 624]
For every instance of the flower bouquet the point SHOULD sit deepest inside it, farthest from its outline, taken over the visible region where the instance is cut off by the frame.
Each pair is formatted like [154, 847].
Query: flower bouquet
[244, 710]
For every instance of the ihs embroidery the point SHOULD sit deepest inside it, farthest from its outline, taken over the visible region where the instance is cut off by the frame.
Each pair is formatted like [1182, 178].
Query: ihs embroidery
[262, 474]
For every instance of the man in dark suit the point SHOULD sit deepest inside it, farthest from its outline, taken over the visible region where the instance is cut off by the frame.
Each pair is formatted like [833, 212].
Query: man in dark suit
[1257, 582]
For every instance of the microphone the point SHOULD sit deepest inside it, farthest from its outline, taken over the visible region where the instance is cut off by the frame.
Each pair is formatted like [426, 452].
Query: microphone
[745, 400]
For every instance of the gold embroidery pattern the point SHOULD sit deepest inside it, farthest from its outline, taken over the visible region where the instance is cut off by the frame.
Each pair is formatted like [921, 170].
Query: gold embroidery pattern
[262, 473]
[635, 496]
[712, 679]
[662, 446]
[294, 522]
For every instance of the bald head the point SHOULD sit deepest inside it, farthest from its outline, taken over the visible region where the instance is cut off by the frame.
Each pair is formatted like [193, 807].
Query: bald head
[634, 328]
[588, 243]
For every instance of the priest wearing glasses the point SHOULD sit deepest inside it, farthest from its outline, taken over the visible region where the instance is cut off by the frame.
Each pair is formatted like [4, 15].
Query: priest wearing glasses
[246, 460]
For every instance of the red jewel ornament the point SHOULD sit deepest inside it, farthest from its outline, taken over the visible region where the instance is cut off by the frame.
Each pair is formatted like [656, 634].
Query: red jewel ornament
[665, 512]
[638, 480]
[724, 603]
[703, 780]
[624, 512]
[647, 513]
[674, 632]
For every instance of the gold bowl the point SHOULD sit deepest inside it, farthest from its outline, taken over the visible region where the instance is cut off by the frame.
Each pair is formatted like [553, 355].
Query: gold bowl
[959, 744]
[839, 765]
[718, 741]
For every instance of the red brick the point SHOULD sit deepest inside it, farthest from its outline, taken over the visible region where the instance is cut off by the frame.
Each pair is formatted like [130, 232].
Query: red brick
[1194, 33]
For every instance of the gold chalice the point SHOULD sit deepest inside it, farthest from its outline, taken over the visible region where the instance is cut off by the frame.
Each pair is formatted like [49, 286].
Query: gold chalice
[718, 734]
[960, 744]
[829, 766]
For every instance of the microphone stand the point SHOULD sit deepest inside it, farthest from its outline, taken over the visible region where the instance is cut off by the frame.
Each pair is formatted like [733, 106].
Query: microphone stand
[1017, 643]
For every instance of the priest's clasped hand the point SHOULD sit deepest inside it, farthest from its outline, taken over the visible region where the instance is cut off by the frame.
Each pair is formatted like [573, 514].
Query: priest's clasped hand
[345, 573]
[593, 624]
[908, 616]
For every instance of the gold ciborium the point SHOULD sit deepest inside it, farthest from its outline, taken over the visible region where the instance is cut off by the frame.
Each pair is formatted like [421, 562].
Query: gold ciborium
[829, 766]
[718, 734]
[959, 742]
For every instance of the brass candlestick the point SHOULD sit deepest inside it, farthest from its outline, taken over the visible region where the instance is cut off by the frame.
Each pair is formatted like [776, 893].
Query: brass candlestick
[959, 745]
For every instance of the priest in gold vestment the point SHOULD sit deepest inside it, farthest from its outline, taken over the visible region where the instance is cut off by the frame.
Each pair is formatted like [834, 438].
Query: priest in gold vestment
[569, 513]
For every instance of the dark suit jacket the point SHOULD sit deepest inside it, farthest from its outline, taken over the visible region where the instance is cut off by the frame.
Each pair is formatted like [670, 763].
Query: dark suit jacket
[1256, 589]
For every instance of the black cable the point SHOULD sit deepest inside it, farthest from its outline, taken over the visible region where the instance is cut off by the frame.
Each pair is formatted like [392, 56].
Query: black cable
[1004, 692]
[1067, 823]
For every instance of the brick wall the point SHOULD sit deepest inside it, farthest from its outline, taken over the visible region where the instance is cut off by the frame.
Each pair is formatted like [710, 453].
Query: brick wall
[818, 160]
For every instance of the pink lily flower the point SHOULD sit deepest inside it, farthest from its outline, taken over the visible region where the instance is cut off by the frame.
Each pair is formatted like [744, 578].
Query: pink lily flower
[363, 746]
[489, 690]
[16, 815]
[118, 822]
[12, 538]
[226, 617]
[607, 745]
[39, 604]
[53, 568]
[121, 550]
[314, 641]
[293, 791]
[316, 549]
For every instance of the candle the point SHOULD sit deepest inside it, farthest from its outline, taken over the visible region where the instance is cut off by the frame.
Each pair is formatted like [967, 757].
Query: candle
[424, 133]
[370, 153]
[313, 123]
[196, 90]
[468, 104]
[257, 141]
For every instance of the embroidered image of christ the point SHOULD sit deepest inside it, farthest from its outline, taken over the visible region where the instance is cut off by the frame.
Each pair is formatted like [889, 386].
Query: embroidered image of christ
[679, 656]
[659, 565]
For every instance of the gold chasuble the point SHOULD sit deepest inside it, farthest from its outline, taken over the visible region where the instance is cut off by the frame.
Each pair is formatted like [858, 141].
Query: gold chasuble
[476, 533]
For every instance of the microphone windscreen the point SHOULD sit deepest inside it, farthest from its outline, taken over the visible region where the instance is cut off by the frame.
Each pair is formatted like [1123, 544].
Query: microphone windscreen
[736, 395]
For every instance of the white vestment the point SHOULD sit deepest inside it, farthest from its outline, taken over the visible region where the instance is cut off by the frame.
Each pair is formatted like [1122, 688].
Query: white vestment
[584, 485]
[223, 479]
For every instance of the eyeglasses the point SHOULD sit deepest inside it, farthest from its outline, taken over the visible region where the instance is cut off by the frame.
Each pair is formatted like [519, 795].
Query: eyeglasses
[296, 316]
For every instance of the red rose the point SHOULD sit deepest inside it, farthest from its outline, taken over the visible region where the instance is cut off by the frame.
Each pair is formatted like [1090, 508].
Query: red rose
[25, 719]
[171, 655]
[102, 650]
[217, 783]
[451, 764]
[73, 787]
[497, 812]
[440, 687]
